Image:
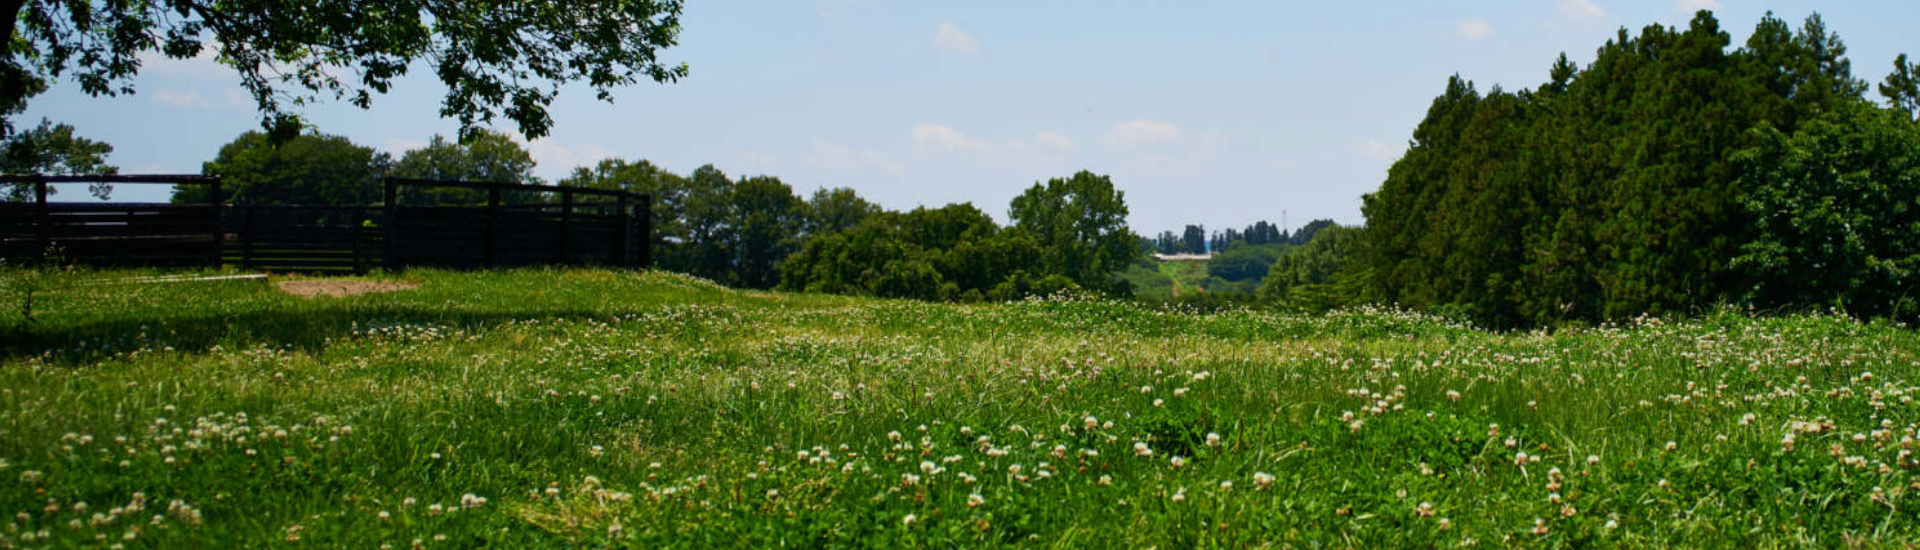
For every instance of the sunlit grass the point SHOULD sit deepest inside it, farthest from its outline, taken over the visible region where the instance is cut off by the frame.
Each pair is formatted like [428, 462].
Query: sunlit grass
[553, 408]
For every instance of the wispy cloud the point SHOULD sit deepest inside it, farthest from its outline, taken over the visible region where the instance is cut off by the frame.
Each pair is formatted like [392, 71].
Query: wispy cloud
[1043, 143]
[203, 65]
[1138, 132]
[1691, 6]
[834, 156]
[178, 99]
[950, 38]
[1580, 10]
[940, 138]
[1473, 29]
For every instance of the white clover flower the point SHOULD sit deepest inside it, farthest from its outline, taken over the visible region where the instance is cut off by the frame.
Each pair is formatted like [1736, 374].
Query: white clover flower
[1213, 439]
[974, 500]
[471, 501]
[1140, 448]
[1261, 480]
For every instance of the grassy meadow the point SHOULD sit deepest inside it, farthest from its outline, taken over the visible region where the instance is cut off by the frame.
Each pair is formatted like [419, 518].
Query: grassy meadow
[545, 408]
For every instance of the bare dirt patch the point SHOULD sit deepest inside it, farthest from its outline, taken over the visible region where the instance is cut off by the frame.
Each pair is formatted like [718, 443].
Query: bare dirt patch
[311, 288]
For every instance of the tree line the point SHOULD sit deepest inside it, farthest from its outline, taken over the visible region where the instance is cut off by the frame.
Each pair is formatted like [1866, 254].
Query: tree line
[748, 232]
[1670, 175]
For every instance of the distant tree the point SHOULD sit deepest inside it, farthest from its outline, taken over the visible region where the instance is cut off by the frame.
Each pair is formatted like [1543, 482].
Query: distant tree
[1243, 261]
[1902, 86]
[1324, 274]
[1195, 238]
[835, 210]
[955, 252]
[1169, 243]
[52, 149]
[667, 191]
[1306, 232]
[763, 220]
[487, 156]
[1081, 224]
[497, 58]
[312, 169]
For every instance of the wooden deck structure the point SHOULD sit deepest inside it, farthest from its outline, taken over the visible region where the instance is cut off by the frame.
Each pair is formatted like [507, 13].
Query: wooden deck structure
[504, 225]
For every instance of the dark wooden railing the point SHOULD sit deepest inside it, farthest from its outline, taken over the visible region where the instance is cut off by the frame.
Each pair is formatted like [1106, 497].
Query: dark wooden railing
[544, 225]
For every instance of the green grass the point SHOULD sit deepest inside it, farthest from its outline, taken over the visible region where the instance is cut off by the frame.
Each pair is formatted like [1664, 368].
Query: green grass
[1190, 278]
[654, 410]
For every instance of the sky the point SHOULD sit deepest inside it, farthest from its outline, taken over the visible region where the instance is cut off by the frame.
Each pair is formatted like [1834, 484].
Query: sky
[1203, 112]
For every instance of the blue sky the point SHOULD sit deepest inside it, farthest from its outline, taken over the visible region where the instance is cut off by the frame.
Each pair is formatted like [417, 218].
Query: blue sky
[1210, 112]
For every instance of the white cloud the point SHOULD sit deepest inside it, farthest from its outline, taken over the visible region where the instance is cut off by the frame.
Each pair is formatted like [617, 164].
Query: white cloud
[940, 138]
[205, 64]
[847, 159]
[1473, 29]
[1050, 140]
[1691, 6]
[184, 100]
[1376, 150]
[552, 154]
[1579, 9]
[1043, 143]
[1137, 132]
[950, 38]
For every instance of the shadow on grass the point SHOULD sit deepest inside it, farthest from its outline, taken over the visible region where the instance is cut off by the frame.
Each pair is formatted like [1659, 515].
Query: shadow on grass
[304, 329]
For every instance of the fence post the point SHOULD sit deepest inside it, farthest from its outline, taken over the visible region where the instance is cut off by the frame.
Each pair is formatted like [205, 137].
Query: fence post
[566, 223]
[493, 224]
[620, 231]
[219, 233]
[355, 234]
[387, 220]
[246, 239]
[646, 231]
[43, 218]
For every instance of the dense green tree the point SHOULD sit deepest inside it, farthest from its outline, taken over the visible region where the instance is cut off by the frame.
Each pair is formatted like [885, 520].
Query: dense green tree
[311, 169]
[1194, 238]
[1607, 192]
[1242, 261]
[485, 157]
[53, 149]
[1320, 275]
[763, 220]
[1902, 86]
[835, 210]
[1081, 223]
[496, 57]
[1837, 210]
[666, 190]
[955, 252]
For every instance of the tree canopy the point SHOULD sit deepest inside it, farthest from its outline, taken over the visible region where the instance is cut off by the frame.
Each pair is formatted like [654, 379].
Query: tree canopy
[1631, 185]
[53, 149]
[496, 57]
[1082, 222]
[311, 169]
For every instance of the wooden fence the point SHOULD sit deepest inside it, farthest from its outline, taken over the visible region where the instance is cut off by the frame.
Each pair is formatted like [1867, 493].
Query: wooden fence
[540, 225]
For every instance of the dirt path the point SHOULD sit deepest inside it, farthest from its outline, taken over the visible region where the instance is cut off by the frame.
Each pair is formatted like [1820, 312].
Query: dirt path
[311, 288]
